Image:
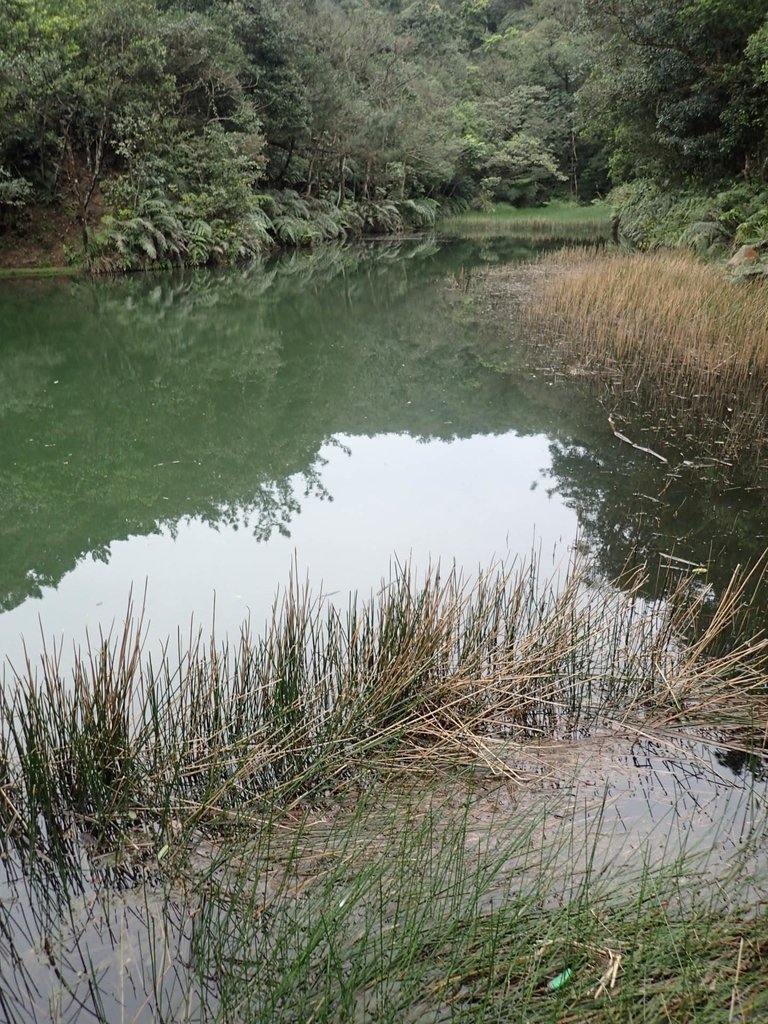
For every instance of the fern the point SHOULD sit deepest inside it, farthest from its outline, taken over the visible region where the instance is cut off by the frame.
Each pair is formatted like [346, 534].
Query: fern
[421, 213]
[161, 231]
[454, 205]
[353, 219]
[292, 205]
[198, 243]
[287, 229]
[221, 237]
[146, 244]
[260, 225]
[328, 226]
[295, 230]
[381, 217]
[164, 219]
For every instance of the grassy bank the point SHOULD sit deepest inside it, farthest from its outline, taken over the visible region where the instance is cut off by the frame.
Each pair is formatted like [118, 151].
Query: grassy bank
[41, 271]
[557, 221]
[680, 349]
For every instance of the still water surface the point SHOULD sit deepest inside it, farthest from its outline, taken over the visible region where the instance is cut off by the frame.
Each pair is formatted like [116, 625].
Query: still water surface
[197, 435]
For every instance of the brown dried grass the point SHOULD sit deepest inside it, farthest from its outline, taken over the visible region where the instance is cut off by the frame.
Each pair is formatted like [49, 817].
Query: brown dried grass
[672, 338]
[664, 314]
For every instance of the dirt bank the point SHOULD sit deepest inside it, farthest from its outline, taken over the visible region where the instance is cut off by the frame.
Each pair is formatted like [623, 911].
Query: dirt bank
[42, 236]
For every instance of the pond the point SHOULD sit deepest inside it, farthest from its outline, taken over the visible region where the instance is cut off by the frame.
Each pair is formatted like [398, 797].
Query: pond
[194, 438]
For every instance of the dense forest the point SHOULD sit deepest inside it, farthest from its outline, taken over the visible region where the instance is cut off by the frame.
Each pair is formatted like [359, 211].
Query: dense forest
[202, 131]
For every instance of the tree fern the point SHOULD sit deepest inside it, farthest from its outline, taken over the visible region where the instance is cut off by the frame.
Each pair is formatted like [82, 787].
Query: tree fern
[292, 205]
[260, 225]
[354, 222]
[145, 243]
[296, 230]
[328, 226]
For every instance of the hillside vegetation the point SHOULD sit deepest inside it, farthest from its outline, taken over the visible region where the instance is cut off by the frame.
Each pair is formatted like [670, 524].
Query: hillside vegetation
[157, 132]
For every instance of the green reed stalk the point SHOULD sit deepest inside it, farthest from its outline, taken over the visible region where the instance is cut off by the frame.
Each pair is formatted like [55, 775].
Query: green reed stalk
[426, 674]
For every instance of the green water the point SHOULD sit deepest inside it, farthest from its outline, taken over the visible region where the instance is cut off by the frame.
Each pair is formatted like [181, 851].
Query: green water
[196, 436]
[193, 438]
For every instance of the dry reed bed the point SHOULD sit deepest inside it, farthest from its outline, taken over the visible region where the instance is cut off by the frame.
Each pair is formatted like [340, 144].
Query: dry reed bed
[667, 311]
[664, 330]
[427, 674]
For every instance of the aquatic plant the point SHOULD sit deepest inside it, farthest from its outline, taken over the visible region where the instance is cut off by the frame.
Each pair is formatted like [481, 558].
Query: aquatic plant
[324, 822]
[680, 350]
[421, 901]
[427, 674]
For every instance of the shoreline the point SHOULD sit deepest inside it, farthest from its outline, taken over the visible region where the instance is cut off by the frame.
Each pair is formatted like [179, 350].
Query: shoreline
[7, 273]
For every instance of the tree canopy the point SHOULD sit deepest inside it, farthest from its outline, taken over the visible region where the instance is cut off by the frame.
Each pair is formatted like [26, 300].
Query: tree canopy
[200, 130]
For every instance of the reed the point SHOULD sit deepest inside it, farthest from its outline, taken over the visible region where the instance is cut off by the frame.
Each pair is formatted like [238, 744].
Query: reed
[669, 336]
[426, 675]
[413, 912]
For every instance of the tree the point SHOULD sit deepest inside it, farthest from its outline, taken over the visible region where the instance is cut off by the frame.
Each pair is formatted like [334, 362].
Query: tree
[110, 96]
[675, 93]
[37, 45]
[509, 139]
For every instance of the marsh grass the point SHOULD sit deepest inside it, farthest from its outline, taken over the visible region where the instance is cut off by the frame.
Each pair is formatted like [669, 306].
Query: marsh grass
[389, 908]
[412, 913]
[556, 221]
[425, 676]
[677, 344]
[288, 829]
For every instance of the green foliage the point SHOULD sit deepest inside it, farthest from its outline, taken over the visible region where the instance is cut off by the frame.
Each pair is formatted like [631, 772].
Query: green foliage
[745, 212]
[152, 235]
[420, 213]
[161, 232]
[517, 115]
[356, 117]
[757, 51]
[677, 92]
[361, 116]
[14, 192]
[651, 216]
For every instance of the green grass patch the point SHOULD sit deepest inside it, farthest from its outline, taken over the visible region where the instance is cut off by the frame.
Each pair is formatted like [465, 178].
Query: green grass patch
[12, 272]
[555, 221]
